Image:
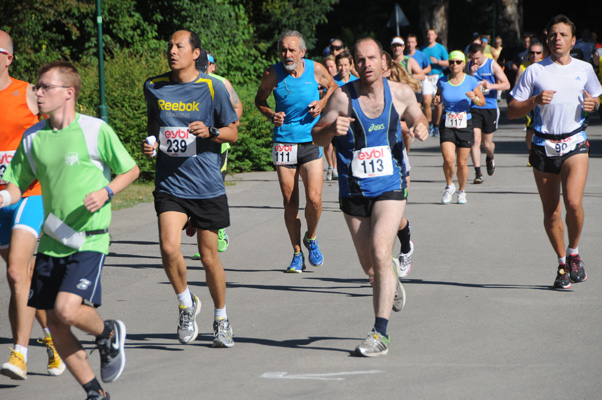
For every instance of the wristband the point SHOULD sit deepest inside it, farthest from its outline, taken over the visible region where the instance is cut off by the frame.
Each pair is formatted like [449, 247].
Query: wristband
[272, 117]
[476, 100]
[6, 198]
[110, 192]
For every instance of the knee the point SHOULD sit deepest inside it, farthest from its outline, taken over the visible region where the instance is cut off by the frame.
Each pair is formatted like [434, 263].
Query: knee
[17, 274]
[64, 313]
[574, 206]
[169, 248]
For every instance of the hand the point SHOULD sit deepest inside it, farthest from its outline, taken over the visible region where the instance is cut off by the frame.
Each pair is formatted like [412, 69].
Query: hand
[545, 97]
[474, 67]
[437, 100]
[434, 60]
[419, 131]
[278, 119]
[485, 84]
[199, 129]
[315, 108]
[95, 200]
[471, 95]
[149, 149]
[589, 103]
[342, 125]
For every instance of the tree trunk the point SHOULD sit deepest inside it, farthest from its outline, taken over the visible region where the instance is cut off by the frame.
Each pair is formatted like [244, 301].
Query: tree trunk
[434, 15]
[510, 19]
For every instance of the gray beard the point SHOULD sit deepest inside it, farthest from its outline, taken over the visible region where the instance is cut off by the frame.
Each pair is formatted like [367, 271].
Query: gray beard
[290, 67]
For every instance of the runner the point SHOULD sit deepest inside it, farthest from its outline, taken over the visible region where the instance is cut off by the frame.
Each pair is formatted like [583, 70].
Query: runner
[189, 117]
[437, 55]
[484, 119]
[21, 223]
[372, 194]
[408, 62]
[294, 82]
[344, 63]
[555, 88]
[331, 172]
[72, 156]
[457, 91]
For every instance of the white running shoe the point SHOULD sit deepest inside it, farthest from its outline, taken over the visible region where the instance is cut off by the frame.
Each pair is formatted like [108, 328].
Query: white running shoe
[462, 197]
[405, 261]
[447, 194]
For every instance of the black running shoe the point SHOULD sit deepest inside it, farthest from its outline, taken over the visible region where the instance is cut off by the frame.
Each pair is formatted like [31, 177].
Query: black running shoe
[478, 178]
[490, 165]
[576, 267]
[98, 395]
[112, 352]
[563, 279]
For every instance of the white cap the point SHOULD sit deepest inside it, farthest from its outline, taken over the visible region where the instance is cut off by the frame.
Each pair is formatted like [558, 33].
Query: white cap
[397, 40]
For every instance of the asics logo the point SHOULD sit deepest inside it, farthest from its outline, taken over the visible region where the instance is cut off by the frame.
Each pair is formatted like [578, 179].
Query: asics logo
[375, 127]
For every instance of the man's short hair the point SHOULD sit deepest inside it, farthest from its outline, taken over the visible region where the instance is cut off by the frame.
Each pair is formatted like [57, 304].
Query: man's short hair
[562, 19]
[412, 35]
[475, 48]
[380, 46]
[292, 34]
[344, 54]
[195, 41]
[69, 74]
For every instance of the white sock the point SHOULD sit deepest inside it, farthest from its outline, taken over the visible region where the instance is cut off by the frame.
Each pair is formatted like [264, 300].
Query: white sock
[572, 252]
[220, 313]
[185, 298]
[561, 260]
[22, 350]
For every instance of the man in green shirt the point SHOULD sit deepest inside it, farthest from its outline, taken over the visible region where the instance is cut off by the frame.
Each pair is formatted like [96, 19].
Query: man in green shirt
[72, 156]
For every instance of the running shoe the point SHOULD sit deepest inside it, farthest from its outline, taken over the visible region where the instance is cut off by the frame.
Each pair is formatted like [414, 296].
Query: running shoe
[446, 198]
[56, 366]
[478, 179]
[462, 197]
[576, 267]
[222, 240]
[112, 352]
[431, 130]
[196, 256]
[435, 131]
[98, 395]
[405, 261]
[490, 165]
[374, 345]
[222, 333]
[329, 174]
[15, 368]
[188, 329]
[335, 175]
[297, 264]
[563, 278]
[400, 294]
[315, 256]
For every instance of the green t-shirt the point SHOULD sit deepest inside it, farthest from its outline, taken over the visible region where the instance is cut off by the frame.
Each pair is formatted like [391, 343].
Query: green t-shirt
[70, 163]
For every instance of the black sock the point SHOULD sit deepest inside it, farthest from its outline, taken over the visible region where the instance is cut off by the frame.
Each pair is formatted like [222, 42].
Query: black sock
[477, 170]
[404, 238]
[106, 332]
[92, 385]
[380, 325]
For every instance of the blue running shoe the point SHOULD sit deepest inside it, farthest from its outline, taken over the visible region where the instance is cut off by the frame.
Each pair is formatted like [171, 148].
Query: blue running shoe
[315, 255]
[297, 264]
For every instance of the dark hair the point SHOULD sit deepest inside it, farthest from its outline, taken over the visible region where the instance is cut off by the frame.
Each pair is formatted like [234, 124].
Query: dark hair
[475, 48]
[69, 74]
[380, 46]
[344, 54]
[195, 41]
[562, 19]
[412, 35]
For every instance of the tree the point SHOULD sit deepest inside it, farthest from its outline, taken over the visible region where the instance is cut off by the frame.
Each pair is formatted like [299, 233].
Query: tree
[509, 22]
[434, 15]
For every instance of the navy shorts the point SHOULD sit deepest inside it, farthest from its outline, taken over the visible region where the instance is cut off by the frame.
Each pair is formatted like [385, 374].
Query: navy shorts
[542, 162]
[206, 214]
[359, 206]
[78, 273]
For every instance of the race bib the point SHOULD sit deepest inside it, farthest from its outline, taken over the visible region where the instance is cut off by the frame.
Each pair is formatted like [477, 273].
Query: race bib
[5, 158]
[557, 148]
[284, 154]
[372, 162]
[456, 120]
[177, 141]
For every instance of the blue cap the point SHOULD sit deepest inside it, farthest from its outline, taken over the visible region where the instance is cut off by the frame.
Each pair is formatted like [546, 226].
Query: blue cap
[210, 59]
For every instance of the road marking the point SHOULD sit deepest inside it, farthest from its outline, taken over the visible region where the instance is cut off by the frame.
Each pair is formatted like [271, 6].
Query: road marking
[334, 376]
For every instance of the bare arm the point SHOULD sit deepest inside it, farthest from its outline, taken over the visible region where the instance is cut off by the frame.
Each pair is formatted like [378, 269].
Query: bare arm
[517, 109]
[335, 119]
[234, 99]
[227, 134]
[95, 200]
[501, 79]
[14, 192]
[269, 80]
[406, 105]
[325, 80]
[415, 69]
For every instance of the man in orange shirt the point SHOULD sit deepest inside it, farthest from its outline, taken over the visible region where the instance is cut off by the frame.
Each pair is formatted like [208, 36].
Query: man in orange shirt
[21, 223]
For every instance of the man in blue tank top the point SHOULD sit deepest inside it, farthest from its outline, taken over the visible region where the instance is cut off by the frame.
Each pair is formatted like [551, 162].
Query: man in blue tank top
[363, 119]
[485, 119]
[294, 82]
[190, 116]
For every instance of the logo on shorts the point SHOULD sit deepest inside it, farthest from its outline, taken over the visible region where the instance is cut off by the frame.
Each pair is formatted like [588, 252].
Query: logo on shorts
[71, 159]
[83, 284]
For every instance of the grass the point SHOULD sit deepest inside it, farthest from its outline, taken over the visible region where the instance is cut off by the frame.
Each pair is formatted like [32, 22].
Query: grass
[132, 195]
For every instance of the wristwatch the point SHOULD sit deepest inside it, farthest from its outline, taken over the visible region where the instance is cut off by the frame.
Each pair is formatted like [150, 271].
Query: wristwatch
[214, 132]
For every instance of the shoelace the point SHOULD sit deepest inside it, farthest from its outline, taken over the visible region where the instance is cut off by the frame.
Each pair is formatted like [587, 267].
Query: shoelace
[186, 318]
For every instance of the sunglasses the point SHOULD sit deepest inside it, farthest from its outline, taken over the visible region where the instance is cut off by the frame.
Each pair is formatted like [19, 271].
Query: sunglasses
[4, 51]
[336, 47]
[457, 62]
[535, 52]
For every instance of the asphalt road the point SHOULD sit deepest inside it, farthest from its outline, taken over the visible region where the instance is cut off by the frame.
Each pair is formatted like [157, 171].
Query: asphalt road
[480, 322]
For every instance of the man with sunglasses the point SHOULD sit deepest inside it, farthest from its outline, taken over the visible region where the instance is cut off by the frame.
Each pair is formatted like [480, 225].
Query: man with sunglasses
[72, 155]
[561, 90]
[295, 83]
[485, 118]
[21, 223]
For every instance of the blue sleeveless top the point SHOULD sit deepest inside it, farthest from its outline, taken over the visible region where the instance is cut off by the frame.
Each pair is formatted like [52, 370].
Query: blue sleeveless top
[293, 96]
[485, 72]
[384, 130]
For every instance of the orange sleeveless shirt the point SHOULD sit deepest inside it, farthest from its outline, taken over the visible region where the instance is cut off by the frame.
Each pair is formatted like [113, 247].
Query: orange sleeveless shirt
[15, 118]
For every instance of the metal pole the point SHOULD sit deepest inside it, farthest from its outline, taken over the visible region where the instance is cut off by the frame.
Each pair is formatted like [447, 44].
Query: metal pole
[102, 108]
[397, 18]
